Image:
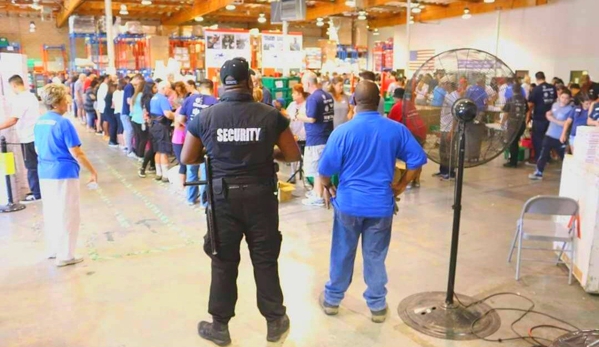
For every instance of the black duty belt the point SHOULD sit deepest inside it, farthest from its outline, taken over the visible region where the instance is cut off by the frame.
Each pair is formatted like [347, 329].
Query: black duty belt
[156, 118]
[245, 182]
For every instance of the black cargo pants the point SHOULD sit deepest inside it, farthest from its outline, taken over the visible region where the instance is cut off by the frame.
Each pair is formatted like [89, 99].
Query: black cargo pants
[250, 211]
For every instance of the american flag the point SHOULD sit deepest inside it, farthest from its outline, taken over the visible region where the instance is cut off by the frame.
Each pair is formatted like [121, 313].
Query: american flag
[419, 57]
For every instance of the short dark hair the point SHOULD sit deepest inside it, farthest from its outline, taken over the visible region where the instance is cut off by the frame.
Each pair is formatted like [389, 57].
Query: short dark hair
[540, 75]
[206, 83]
[16, 79]
[368, 75]
[122, 83]
[191, 83]
[566, 91]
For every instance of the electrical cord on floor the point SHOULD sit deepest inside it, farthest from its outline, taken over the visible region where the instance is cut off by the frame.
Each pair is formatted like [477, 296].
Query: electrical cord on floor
[530, 339]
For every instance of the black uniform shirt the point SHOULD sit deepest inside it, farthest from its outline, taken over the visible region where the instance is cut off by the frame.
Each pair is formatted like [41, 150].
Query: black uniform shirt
[542, 96]
[239, 135]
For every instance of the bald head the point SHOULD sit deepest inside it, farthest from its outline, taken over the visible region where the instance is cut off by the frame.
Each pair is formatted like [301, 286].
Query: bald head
[310, 81]
[366, 96]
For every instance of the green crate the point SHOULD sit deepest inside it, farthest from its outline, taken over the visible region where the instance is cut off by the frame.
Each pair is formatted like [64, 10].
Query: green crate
[523, 154]
[293, 81]
[389, 105]
[275, 82]
[283, 93]
[334, 180]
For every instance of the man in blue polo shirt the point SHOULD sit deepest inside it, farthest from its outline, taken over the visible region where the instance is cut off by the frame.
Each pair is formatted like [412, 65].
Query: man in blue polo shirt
[161, 115]
[319, 125]
[191, 108]
[363, 152]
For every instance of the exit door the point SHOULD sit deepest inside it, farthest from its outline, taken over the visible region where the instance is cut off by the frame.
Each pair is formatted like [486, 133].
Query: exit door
[576, 76]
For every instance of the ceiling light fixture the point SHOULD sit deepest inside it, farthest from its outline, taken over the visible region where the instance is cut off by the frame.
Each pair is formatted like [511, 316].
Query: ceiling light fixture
[489, 1]
[375, 32]
[466, 14]
[32, 27]
[411, 19]
[199, 19]
[261, 18]
[123, 11]
[350, 3]
[319, 22]
[230, 7]
[146, 2]
[362, 15]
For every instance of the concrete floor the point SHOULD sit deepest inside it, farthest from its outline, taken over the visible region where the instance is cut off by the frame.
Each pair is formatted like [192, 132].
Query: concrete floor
[145, 278]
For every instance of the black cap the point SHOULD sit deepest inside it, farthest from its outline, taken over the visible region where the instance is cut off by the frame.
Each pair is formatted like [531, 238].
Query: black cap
[237, 69]
[398, 93]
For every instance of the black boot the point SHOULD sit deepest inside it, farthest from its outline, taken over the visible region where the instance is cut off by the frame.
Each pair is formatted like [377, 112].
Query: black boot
[277, 328]
[215, 332]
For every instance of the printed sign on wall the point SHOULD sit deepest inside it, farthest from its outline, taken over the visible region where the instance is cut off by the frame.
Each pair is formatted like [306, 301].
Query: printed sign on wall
[223, 45]
[274, 55]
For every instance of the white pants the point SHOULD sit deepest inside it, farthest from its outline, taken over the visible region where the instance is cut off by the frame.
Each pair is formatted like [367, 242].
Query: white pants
[61, 216]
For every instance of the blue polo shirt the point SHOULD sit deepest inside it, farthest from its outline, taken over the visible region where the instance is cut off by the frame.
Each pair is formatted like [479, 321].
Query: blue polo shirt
[54, 135]
[158, 104]
[195, 103]
[438, 96]
[363, 152]
[579, 118]
[542, 96]
[478, 94]
[320, 106]
[561, 113]
[594, 111]
[127, 93]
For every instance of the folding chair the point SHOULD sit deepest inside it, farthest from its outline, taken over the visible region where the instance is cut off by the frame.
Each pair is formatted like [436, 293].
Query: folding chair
[547, 206]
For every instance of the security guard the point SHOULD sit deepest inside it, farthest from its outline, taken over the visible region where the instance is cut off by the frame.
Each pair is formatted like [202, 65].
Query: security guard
[240, 137]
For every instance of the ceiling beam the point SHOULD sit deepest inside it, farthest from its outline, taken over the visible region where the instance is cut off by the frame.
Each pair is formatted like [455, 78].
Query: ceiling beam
[99, 6]
[200, 8]
[154, 3]
[69, 7]
[455, 9]
[334, 8]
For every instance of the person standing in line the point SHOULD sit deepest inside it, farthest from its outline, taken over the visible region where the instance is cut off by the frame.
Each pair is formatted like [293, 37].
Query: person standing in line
[128, 131]
[192, 106]
[257, 80]
[318, 120]
[365, 76]
[117, 103]
[59, 155]
[109, 116]
[557, 117]
[540, 102]
[593, 119]
[447, 126]
[161, 116]
[363, 152]
[515, 106]
[79, 97]
[341, 102]
[295, 108]
[90, 106]
[25, 111]
[239, 135]
[578, 118]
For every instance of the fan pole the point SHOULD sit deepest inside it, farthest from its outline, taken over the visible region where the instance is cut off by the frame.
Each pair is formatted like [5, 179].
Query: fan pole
[457, 213]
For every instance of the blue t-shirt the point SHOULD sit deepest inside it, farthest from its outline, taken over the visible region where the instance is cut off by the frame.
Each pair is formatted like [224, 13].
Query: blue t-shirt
[579, 117]
[320, 106]
[127, 93]
[194, 104]
[478, 94]
[363, 152]
[266, 96]
[561, 113]
[54, 135]
[542, 96]
[137, 112]
[158, 104]
[594, 111]
[438, 96]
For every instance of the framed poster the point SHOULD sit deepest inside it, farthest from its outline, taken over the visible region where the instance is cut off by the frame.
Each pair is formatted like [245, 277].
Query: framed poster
[223, 45]
[273, 50]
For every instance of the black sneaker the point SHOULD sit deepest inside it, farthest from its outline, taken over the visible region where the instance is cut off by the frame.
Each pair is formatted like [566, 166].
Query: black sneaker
[215, 332]
[437, 174]
[141, 173]
[510, 165]
[379, 316]
[152, 170]
[158, 178]
[329, 310]
[277, 329]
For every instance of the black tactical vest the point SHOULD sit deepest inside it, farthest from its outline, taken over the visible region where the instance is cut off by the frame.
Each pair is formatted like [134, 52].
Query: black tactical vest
[239, 135]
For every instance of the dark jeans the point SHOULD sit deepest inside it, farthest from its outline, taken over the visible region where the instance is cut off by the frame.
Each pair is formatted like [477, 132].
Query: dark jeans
[141, 139]
[30, 159]
[91, 119]
[448, 154]
[515, 146]
[119, 124]
[376, 236]
[251, 212]
[550, 143]
[110, 118]
[177, 149]
[149, 156]
[539, 128]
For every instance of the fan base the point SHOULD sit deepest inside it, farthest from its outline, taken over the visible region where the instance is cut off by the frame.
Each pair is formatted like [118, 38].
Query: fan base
[11, 208]
[584, 338]
[428, 314]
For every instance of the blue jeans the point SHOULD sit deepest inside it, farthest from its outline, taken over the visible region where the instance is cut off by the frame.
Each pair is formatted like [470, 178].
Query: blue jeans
[194, 192]
[376, 235]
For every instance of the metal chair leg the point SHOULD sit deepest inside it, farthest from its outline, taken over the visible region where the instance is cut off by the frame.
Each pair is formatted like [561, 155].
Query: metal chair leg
[519, 255]
[559, 257]
[572, 255]
[509, 257]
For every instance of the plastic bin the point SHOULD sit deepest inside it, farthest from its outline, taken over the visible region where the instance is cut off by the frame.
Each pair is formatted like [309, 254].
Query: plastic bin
[273, 83]
[389, 105]
[291, 81]
[283, 93]
[523, 154]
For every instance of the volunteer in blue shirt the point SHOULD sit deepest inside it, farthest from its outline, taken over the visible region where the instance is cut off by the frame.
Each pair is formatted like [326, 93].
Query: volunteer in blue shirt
[540, 101]
[478, 94]
[192, 106]
[594, 112]
[577, 118]
[439, 92]
[320, 112]
[557, 117]
[363, 152]
[59, 155]
[161, 115]
[128, 92]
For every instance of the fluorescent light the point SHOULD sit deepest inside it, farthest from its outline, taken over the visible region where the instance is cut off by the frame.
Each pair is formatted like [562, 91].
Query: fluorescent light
[319, 24]
[416, 10]
[230, 7]
[466, 14]
[376, 32]
[146, 2]
[261, 19]
[489, 1]
[362, 15]
[32, 27]
[350, 3]
[411, 20]
[123, 11]
[199, 19]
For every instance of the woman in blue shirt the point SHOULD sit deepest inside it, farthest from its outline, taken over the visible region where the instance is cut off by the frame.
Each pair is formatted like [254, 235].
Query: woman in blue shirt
[577, 118]
[140, 132]
[59, 155]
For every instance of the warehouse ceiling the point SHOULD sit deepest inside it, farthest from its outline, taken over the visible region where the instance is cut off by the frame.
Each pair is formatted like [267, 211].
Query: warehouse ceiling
[379, 13]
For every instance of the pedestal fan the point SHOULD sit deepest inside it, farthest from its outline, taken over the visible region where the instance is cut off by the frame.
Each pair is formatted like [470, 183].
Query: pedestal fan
[474, 112]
